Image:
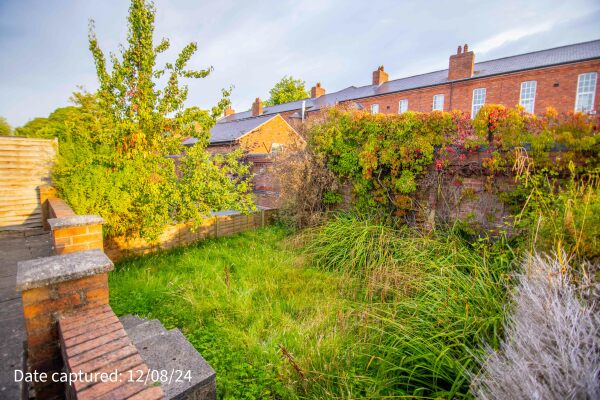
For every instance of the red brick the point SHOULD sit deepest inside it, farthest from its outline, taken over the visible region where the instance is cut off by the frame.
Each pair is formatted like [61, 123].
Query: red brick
[75, 361]
[71, 231]
[51, 306]
[93, 281]
[37, 295]
[99, 296]
[93, 323]
[92, 334]
[47, 336]
[151, 393]
[109, 357]
[92, 344]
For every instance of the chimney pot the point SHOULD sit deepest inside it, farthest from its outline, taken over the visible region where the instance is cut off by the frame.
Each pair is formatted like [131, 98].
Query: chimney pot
[229, 111]
[317, 91]
[459, 50]
[466, 47]
[380, 76]
[257, 107]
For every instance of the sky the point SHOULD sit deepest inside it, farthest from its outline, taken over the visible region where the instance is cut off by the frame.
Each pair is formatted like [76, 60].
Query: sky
[251, 45]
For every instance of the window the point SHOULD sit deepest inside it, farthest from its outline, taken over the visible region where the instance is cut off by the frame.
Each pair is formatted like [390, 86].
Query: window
[527, 99]
[478, 101]
[586, 89]
[276, 147]
[438, 102]
[374, 108]
[402, 106]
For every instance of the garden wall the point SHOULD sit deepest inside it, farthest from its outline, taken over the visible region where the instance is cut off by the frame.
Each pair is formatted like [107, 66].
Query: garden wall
[80, 232]
[25, 164]
[183, 234]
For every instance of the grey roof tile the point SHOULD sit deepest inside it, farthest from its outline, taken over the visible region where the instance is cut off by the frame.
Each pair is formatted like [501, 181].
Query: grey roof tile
[227, 131]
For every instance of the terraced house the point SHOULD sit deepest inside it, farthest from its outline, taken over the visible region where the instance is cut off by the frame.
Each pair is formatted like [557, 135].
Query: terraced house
[565, 78]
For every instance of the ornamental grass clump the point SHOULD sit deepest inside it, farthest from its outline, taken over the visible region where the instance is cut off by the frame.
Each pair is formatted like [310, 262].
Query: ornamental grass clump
[422, 335]
[551, 348]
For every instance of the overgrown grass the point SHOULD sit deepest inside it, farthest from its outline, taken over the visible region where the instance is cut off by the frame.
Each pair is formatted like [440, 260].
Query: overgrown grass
[441, 299]
[352, 309]
[260, 319]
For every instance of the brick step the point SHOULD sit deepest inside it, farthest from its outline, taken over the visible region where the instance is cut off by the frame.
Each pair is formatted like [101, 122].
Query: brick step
[169, 350]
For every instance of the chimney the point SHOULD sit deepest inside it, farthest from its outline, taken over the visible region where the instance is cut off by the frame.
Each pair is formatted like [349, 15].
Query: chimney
[257, 107]
[229, 111]
[379, 76]
[317, 91]
[461, 64]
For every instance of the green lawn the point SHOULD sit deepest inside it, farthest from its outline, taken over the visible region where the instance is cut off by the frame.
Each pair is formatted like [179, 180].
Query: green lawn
[242, 300]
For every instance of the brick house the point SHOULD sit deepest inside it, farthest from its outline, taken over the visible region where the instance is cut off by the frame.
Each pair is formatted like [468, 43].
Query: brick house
[565, 78]
[261, 136]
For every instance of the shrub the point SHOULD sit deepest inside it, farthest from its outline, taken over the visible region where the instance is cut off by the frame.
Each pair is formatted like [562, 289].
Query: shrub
[551, 348]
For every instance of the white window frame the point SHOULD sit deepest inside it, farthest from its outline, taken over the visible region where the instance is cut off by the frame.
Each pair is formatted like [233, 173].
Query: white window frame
[477, 96]
[436, 98]
[400, 103]
[374, 108]
[586, 86]
[527, 96]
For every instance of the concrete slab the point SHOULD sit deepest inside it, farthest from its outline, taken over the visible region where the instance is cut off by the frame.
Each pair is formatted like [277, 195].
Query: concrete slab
[172, 352]
[15, 247]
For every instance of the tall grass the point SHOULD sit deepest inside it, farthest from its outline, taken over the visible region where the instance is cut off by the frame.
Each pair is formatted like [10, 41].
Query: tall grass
[422, 339]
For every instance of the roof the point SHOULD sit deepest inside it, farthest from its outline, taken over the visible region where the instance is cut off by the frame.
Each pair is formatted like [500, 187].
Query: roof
[537, 59]
[224, 131]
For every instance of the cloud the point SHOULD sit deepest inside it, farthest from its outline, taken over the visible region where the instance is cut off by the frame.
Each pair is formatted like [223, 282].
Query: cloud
[251, 45]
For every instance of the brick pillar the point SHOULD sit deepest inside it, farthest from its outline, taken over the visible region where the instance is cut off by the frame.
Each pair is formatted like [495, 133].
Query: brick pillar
[76, 233]
[51, 287]
[46, 192]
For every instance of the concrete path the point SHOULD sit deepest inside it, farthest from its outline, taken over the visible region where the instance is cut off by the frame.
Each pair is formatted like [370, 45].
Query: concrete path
[14, 247]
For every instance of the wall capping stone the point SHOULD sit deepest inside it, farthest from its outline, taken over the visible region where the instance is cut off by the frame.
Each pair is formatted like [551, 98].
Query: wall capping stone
[76, 220]
[55, 269]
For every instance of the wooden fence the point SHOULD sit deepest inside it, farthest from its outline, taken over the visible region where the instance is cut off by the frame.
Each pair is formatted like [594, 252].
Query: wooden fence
[25, 164]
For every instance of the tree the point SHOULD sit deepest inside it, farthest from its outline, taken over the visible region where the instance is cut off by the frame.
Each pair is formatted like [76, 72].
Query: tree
[51, 127]
[117, 154]
[5, 128]
[286, 90]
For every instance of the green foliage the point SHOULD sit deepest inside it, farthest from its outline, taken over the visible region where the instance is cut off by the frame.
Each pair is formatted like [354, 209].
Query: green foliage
[383, 155]
[5, 128]
[118, 147]
[286, 90]
[55, 126]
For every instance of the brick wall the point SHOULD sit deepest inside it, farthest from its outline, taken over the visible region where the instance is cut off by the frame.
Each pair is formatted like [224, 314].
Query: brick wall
[183, 234]
[556, 87]
[276, 130]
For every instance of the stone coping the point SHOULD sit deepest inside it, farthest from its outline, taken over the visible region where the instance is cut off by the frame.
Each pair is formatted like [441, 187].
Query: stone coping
[76, 220]
[55, 269]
